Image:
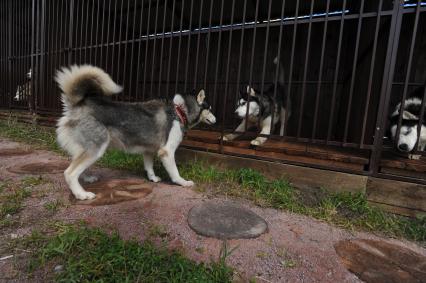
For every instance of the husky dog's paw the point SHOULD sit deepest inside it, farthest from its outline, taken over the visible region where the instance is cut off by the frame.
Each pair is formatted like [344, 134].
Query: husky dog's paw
[187, 183]
[258, 141]
[154, 179]
[84, 195]
[414, 156]
[229, 137]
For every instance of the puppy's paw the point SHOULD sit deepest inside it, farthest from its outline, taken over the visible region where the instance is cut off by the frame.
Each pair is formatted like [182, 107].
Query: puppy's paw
[414, 156]
[258, 141]
[154, 179]
[187, 183]
[83, 195]
[228, 137]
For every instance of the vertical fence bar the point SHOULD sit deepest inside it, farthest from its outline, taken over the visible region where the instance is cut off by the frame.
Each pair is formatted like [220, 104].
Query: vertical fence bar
[198, 42]
[103, 41]
[119, 41]
[95, 59]
[179, 46]
[240, 54]
[188, 46]
[160, 73]
[305, 71]
[133, 47]
[386, 88]
[252, 62]
[169, 60]
[219, 43]
[33, 51]
[408, 73]
[277, 67]
[265, 56]
[146, 50]
[126, 46]
[208, 46]
[139, 51]
[370, 79]
[228, 60]
[154, 49]
[354, 69]
[108, 41]
[91, 32]
[71, 31]
[81, 32]
[290, 75]
[336, 74]
[114, 40]
[318, 93]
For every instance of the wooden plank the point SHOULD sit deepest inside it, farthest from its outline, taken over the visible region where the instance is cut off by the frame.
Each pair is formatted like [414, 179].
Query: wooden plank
[398, 210]
[396, 193]
[403, 172]
[299, 176]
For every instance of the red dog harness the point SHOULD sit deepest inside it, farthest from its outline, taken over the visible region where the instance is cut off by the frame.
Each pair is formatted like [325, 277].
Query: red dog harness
[181, 114]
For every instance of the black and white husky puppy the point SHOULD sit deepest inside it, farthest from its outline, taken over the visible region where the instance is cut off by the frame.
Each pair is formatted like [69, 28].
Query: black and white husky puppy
[407, 139]
[255, 109]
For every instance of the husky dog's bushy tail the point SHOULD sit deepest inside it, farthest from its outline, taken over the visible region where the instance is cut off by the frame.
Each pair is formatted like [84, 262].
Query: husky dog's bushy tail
[78, 81]
[280, 71]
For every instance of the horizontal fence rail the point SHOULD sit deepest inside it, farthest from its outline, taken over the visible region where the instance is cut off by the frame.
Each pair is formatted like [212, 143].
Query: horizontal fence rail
[344, 66]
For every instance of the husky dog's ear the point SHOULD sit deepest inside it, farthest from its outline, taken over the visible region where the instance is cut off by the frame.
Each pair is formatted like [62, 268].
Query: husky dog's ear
[409, 116]
[201, 96]
[178, 99]
[251, 91]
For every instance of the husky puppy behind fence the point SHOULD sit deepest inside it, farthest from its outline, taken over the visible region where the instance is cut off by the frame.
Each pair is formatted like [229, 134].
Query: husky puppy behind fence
[23, 91]
[91, 122]
[255, 108]
[407, 139]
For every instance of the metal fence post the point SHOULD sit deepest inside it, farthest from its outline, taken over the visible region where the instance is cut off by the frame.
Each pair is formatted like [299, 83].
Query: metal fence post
[386, 89]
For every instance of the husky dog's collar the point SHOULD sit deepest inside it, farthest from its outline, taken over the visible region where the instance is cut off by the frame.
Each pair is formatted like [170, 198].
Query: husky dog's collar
[181, 114]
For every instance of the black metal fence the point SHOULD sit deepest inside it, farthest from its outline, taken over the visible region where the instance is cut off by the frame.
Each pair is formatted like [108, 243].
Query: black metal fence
[347, 63]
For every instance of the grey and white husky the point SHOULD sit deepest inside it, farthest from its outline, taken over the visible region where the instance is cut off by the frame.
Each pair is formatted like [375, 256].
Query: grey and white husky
[91, 122]
[255, 108]
[407, 139]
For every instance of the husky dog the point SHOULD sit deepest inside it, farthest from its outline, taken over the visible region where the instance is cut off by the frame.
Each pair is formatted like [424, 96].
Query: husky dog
[23, 92]
[407, 139]
[259, 108]
[91, 121]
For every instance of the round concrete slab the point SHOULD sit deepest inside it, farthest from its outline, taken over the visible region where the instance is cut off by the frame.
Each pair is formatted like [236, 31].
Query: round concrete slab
[115, 191]
[379, 261]
[49, 167]
[225, 220]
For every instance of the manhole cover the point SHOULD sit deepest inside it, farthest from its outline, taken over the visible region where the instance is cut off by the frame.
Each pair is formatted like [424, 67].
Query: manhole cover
[378, 261]
[114, 191]
[40, 168]
[225, 220]
[5, 152]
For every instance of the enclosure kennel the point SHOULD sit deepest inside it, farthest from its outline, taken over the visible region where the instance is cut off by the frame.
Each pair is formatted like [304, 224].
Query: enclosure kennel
[347, 64]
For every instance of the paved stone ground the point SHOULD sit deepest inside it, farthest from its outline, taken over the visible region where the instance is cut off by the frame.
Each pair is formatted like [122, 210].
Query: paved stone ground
[295, 248]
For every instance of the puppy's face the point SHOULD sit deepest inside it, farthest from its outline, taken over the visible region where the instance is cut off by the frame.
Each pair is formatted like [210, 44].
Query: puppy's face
[206, 116]
[407, 137]
[250, 105]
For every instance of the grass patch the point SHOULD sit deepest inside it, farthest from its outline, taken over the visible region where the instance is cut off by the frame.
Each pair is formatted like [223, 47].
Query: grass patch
[53, 206]
[91, 255]
[351, 211]
[12, 196]
[34, 135]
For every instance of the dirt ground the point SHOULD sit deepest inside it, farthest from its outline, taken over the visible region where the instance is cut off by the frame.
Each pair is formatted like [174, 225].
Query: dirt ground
[294, 249]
